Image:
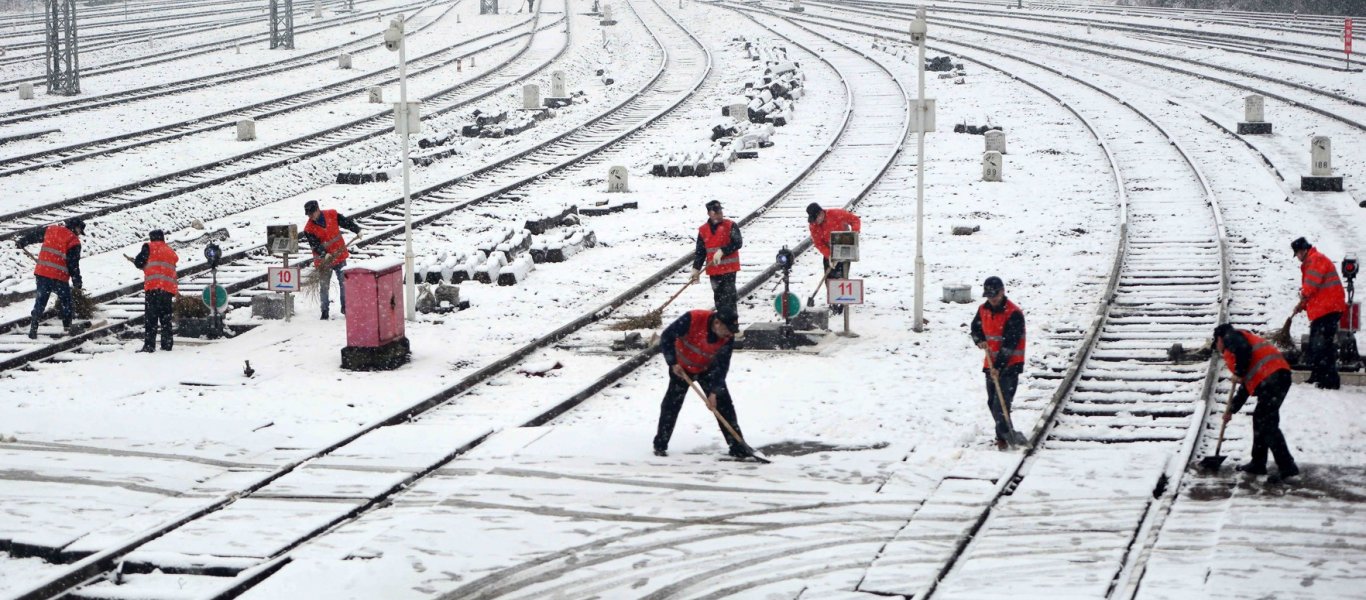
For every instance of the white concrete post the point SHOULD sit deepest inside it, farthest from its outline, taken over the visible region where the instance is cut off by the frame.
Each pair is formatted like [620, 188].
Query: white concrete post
[1254, 108]
[246, 130]
[1321, 153]
[376, 95]
[616, 180]
[344, 60]
[25, 91]
[995, 141]
[992, 164]
[557, 85]
[531, 96]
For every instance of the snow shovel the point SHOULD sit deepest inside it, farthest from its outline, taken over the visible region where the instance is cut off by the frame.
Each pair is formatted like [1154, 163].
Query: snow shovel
[811, 300]
[735, 434]
[1211, 463]
[1017, 439]
[649, 320]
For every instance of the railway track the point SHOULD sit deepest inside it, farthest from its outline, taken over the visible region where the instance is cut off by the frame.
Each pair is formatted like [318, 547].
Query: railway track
[418, 66]
[285, 65]
[92, 67]
[677, 75]
[105, 39]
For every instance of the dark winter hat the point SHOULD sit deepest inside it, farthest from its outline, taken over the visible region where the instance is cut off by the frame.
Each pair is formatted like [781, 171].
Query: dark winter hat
[713, 205]
[310, 206]
[1222, 331]
[1300, 244]
[991, 286]
[157, 235]
[813, 210]
[75, 223]
[729, 319]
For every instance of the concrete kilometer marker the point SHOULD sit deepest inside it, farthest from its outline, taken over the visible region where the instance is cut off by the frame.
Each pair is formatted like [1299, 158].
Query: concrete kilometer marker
[1253, 109]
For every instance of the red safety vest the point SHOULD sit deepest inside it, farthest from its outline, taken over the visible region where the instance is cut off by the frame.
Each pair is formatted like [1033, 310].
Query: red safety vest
[57, 240]
[836, 219]
[331, 236]
[994, 327]
[159, 272]
[730, 263]
[1321, 286]
[1265, 361]
[693, 351]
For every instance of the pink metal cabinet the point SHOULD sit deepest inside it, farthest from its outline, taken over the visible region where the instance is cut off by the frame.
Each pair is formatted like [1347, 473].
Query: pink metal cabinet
[374, 303]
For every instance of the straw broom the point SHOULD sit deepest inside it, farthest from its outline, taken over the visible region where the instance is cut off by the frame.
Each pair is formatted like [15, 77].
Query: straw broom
[650, 320]
[82, 307]
[311, 283]
[1281, 337]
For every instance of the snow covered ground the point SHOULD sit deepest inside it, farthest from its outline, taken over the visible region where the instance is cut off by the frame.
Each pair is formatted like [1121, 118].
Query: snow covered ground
[882, 446]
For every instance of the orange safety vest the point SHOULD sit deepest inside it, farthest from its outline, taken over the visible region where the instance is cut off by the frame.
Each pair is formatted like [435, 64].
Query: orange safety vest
[57, 240]
[1321, 286]
[159, 272]
[331, 236]
[1265, 361]
[693, 351]
[730, 263]
[994, 327]
[836, 219]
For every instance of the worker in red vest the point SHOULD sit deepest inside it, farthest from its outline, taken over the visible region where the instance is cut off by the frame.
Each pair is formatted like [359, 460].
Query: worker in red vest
[58, 269]
[324, 237]
[821, 222]
[718, 246]
[1255, 363]
[999, 328]
[159, 289]
[698, 346]
[1323, 300]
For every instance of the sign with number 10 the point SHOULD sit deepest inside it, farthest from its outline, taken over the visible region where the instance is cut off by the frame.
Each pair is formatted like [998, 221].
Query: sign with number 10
[844, 291]
[280, 279]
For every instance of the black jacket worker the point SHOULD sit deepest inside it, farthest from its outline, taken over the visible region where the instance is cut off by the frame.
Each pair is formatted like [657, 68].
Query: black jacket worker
[999, 328]
[718, 246]
[1258, 366]
[699, 345]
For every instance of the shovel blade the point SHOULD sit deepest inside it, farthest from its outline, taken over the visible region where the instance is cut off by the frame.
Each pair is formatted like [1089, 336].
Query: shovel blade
[1018, 440]
[1212, 463]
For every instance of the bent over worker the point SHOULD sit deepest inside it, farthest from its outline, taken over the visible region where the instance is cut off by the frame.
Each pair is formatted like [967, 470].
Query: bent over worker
[718, 245]
[159, 289]
[1263, 372]
[324, 237]
[58, 269]
[999, 329]
[1323, 300]
[822, 222]
[698, 346]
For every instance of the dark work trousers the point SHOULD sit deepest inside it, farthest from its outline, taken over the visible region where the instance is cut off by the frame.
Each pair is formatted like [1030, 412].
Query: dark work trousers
[1322, 352]
[325, 287]
[157, 316]
[723, 292]
[46, 287]
[1266, 424]
[841, 272]
[1010, 379]
[673, 402]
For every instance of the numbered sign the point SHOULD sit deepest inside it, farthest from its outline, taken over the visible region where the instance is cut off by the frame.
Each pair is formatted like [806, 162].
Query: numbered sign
[1321, 153]
[557, 85]
[281, 279]
[616, 180]
[844, 291]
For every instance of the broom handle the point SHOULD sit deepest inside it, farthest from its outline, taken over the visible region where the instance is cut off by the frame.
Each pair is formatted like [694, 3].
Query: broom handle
[674, 297]
[30, 254]
[1000, 396]
[1228, 410]
[698, 389]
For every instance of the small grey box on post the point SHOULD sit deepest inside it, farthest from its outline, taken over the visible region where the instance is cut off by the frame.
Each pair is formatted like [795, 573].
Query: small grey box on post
[616, 180]
[1321, 177]
[282, 239]
[1254, 107]
[246, 130]
[992, 166]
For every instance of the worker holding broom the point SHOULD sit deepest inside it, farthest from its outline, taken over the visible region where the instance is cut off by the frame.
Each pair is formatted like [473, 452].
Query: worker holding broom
[697, 346]
[324, 237]
[159, 289]
[718, 246]
[999, 330]
[821, 222]
[58, 269]
[1259, 367]
[1323, 300]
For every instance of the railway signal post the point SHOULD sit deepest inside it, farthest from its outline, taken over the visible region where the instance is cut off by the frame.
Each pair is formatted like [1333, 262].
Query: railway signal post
[923, 122]
[407, 122]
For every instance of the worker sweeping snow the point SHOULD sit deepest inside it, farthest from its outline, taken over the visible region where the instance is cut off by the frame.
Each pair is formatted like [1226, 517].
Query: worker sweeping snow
[999, 330]
[1263, 372]
[697, 346]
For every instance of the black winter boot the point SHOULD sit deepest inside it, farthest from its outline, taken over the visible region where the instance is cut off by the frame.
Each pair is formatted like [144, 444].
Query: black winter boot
[147, 348]
[33, 330]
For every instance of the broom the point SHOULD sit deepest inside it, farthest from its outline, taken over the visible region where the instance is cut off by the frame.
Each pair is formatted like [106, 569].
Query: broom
[650, 320]
[310, 284]
[1281, 337]
[82, 307]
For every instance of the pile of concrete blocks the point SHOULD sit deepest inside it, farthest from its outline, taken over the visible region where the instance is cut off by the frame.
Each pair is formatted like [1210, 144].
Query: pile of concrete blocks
[546, 221]
[975, 129]
[607, 207]
[357, 174]
[697, 162]
[558, 246]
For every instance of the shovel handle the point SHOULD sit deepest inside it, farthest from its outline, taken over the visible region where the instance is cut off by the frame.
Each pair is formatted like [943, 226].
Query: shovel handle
[671, 301]
[29, 254]
[1000, 396]
[812, 298]
[1228, 410]
[724, 422]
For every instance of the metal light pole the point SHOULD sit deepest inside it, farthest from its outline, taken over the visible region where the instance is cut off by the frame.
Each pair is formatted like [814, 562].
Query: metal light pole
[394, 40]
[918, 30]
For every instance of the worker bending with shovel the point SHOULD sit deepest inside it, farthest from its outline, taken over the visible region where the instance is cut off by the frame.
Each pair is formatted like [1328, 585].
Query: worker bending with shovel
[1259, 367]
[999, 330]
[324, 237]
[822, 222]
[697, 346]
